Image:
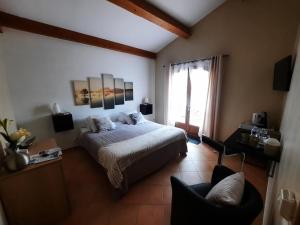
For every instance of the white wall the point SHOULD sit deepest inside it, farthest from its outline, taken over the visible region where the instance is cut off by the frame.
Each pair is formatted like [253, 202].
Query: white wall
[40, 70]
[255, 34]
[6, 109]
[287, 175]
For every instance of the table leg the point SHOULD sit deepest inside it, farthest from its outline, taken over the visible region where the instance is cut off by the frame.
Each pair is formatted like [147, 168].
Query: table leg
[271, 169]
[220, 158]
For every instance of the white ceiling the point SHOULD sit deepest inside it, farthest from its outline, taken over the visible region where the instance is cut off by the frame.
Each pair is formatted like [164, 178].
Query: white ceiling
[188, 12]
[103, 19]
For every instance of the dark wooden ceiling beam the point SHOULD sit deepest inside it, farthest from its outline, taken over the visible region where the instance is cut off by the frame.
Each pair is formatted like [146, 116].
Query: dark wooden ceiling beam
[19, 23]
[155, 15]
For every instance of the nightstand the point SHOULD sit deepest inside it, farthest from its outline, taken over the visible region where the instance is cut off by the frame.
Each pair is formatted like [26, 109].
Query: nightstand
[62, 122]
[146, 109]
[37, 194]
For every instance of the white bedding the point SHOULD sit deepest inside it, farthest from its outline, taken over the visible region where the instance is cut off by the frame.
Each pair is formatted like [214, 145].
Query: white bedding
[116, 157]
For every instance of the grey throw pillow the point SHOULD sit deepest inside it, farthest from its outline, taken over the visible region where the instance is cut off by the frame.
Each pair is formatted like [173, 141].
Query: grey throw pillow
[229, 191]
[124, 118]
[137, 118]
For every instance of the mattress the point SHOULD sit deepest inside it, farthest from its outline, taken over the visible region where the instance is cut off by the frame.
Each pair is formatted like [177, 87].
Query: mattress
[117, 149]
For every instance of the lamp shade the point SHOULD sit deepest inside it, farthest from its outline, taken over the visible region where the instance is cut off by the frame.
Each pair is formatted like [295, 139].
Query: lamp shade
[146, 100]
[56, 108]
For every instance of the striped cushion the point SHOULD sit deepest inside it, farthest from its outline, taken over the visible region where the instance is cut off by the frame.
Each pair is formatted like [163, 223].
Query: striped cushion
[229, 191]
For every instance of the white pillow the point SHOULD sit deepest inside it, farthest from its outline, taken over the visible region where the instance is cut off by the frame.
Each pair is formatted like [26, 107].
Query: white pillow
[104, 124]
[130, 112]
[137, 118]
[124, 118]
[229, 191]
[91, 125]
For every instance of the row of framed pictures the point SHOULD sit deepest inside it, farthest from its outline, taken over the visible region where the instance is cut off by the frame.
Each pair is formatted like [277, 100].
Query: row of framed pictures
[102, 91]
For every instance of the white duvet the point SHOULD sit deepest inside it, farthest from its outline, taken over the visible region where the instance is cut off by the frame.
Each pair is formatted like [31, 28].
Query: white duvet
[116, 157]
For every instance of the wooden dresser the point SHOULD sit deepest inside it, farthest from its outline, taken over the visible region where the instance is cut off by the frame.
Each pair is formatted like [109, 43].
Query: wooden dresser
[37, 194]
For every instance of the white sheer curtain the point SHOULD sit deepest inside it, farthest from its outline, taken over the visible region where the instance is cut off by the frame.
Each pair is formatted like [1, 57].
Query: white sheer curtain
[187, 101]
[178, 77]
[194, 94]
[199, 76]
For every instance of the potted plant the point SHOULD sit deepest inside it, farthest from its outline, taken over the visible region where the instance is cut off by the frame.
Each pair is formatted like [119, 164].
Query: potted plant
[14, 159]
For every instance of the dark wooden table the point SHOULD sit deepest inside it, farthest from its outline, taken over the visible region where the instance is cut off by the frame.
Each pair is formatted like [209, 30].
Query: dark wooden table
[234, 144]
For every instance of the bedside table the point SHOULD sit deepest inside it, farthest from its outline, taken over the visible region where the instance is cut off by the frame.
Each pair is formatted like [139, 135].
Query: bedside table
[146, 109]
[62, 122]
[37, 194]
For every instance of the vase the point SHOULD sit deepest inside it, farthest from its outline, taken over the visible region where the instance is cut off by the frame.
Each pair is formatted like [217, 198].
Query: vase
[15, 161]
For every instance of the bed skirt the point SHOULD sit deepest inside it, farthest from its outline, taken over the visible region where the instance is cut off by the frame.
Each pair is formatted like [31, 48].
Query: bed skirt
[150, 164]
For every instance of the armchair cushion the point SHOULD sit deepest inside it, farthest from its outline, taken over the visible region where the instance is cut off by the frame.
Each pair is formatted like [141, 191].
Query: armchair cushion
[189, 206]
[228, 191]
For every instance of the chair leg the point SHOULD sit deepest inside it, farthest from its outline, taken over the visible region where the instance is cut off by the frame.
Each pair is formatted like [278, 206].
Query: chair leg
[243, 156]
[222, 154]
[220, 158]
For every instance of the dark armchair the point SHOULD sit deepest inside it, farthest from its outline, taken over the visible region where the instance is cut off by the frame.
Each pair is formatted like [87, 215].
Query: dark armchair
[189, 207]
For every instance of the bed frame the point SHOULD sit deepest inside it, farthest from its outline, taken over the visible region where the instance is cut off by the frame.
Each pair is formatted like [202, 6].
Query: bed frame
[150, 164]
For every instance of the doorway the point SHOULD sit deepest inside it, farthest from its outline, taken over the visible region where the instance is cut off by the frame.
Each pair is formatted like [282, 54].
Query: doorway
[190, 89]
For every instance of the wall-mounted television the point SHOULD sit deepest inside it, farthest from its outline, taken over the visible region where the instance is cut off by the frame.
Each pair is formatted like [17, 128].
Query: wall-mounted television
[283, 74]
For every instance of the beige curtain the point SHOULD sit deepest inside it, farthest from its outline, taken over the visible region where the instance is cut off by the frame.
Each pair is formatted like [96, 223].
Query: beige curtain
[213, 98]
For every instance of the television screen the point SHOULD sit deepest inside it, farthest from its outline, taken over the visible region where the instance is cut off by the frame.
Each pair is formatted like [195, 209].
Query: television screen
[283, 74]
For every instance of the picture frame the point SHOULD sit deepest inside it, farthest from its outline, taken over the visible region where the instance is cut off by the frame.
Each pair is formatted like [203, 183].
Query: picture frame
[119, 91]
[108, 91]
[81, 92]
[96, 92]
[128, 91]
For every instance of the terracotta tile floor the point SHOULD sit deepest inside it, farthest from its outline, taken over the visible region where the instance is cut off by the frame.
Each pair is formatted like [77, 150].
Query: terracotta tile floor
[148, 201]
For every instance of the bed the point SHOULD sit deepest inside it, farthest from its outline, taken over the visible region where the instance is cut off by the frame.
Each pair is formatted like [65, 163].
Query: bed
[130, 152]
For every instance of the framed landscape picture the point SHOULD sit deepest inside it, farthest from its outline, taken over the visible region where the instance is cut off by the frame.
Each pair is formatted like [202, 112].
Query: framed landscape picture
[119, 91]
[96, 92]
[108, 91]
[128, 91]
[81, 92]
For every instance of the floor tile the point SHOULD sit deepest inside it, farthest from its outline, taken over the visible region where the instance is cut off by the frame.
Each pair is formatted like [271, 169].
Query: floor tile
[154, 195]
[191, 178]
[187, 166]
[93, 214]
[148, 201]
[153, 215]
[205, 176]
[167, 195]
[135, 195]
[122, 214]
[203, 166]
[160, 178]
